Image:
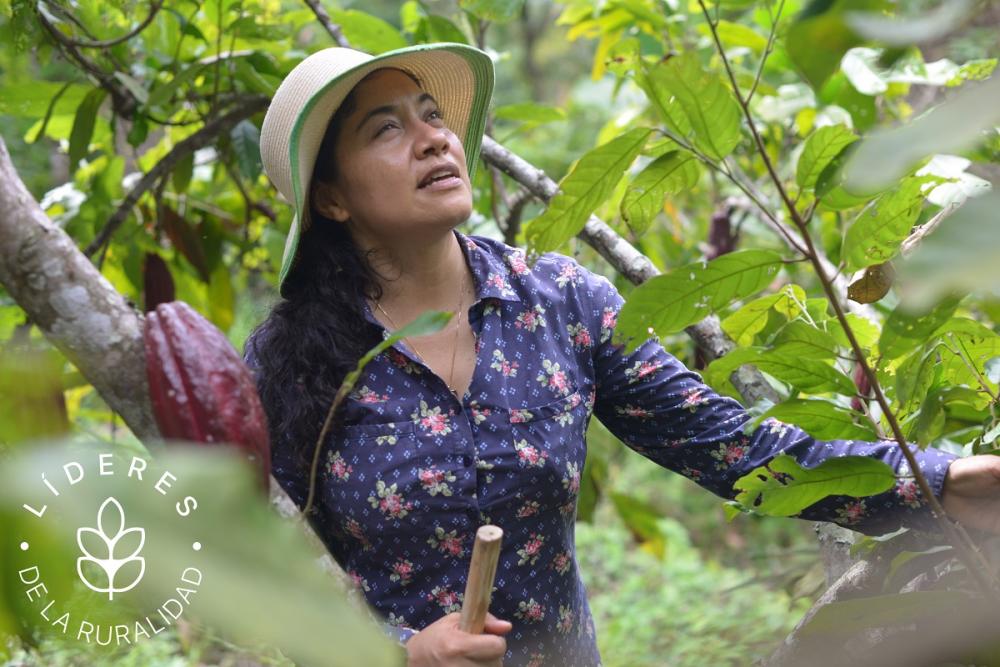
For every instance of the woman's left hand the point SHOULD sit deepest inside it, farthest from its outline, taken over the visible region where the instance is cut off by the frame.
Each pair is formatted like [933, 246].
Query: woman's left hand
[971, 493]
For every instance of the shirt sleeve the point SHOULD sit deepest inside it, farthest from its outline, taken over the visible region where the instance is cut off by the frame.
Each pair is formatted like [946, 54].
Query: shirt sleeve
[663, 410]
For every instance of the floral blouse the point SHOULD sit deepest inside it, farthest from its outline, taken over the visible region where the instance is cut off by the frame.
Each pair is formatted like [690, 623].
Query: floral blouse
[413, 472]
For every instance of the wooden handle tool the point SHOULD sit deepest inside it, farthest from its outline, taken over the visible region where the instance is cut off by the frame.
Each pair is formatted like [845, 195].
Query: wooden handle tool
[479, 585]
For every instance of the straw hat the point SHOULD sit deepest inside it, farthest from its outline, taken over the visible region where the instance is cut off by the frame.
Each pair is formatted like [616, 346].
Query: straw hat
[460, 78]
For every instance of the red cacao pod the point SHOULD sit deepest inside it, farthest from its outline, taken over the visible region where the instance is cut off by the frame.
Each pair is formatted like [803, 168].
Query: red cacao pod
[199, 386]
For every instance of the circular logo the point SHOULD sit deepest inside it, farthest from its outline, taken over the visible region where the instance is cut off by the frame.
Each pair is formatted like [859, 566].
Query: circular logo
[105, 554]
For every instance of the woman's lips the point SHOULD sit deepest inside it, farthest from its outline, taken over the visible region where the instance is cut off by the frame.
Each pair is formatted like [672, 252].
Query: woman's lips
[443, 184]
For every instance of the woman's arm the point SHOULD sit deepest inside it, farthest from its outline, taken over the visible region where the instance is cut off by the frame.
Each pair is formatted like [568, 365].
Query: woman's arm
[663, 410]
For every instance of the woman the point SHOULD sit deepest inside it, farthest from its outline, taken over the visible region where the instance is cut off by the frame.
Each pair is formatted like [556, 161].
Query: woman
[484, 420]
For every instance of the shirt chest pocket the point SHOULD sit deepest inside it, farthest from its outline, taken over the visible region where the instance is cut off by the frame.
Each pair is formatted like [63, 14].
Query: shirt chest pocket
[548, 442]
[385, 476]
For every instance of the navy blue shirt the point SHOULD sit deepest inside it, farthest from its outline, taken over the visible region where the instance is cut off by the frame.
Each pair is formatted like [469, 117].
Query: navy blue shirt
[413, 472]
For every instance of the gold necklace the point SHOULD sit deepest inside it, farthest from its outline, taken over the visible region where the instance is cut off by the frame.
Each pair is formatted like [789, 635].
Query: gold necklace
[454, 349]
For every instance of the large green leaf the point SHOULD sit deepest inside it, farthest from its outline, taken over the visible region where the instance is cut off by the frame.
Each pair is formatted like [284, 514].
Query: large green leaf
[750, 320]
[820, 419]
[34, 101]
[582, 190]
[695, 103]
[874, 237]
[669, 174]
[821, 148]
[784, 488]
[810, 375]
[905, 329]
[366, 32]
[806, 341]
[83, 125]
[668, 303]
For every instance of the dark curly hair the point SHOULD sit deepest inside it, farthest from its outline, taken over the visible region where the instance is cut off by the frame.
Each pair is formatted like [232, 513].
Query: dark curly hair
[317, 333]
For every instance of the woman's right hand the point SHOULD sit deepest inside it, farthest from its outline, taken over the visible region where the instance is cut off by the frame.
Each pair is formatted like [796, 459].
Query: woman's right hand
[443, 644]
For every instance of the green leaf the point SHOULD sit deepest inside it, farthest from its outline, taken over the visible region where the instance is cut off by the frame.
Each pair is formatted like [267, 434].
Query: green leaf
[874, 237]
[246, 145]
[499, 11]
[905, 329]
[820, 419]
[751, 319]
[34, 101]
[694, 103]
[805, 341]
[865, 331]
[784, 488]
[668, 303]
[436, 28]
[736, 34]
[819, 37]
[140, 94]
[33, 137]
[810, 375]
[669, 174]
[717, 374]
[83, 125]
[915, 376]
[974, 350]
[590, 182]
[821, 148]
[366, 32]
[163, 93]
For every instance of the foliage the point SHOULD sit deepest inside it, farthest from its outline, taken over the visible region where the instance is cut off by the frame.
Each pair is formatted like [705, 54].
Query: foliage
[681, 610]
[633, 106]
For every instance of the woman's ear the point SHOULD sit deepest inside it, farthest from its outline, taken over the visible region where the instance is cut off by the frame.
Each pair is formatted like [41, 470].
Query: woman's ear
[326, 200]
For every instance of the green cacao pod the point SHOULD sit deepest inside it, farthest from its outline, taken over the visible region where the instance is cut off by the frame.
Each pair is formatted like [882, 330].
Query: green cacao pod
[200, 388]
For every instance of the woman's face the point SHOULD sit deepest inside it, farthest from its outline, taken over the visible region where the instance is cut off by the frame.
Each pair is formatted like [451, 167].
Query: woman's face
[393, 139]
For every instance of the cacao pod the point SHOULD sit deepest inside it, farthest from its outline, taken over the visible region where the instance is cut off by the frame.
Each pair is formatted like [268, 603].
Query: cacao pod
[200, 388]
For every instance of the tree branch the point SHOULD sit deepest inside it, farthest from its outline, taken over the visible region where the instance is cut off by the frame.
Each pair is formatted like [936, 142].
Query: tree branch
[324, 20]
[154, 8]
[72, 303]
[199, 139]
[973, 559]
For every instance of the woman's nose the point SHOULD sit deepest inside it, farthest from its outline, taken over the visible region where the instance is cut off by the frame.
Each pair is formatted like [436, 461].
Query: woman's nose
[431, 139]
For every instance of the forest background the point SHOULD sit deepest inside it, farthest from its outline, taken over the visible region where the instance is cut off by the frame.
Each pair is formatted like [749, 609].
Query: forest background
[135, 127]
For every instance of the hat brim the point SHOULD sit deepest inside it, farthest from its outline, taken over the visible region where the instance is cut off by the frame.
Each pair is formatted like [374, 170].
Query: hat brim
[460, 78]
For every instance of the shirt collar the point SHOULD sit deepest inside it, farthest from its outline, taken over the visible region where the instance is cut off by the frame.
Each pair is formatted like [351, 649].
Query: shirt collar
[490, 273]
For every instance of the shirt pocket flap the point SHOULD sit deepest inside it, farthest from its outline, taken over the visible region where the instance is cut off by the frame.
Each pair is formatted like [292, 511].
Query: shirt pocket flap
[546, 410]
[377, 430]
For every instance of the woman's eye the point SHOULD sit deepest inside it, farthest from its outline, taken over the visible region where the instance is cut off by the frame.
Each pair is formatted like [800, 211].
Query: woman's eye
[385, 126]
[436, 113]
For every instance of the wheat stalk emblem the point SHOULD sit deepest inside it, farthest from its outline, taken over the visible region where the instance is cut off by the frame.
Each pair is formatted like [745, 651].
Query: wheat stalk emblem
[109, 537]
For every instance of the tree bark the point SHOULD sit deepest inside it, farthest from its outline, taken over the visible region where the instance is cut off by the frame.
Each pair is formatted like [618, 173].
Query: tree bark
[72, 303]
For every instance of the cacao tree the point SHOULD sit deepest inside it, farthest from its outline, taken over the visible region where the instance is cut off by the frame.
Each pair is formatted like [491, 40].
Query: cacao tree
[798, 187]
